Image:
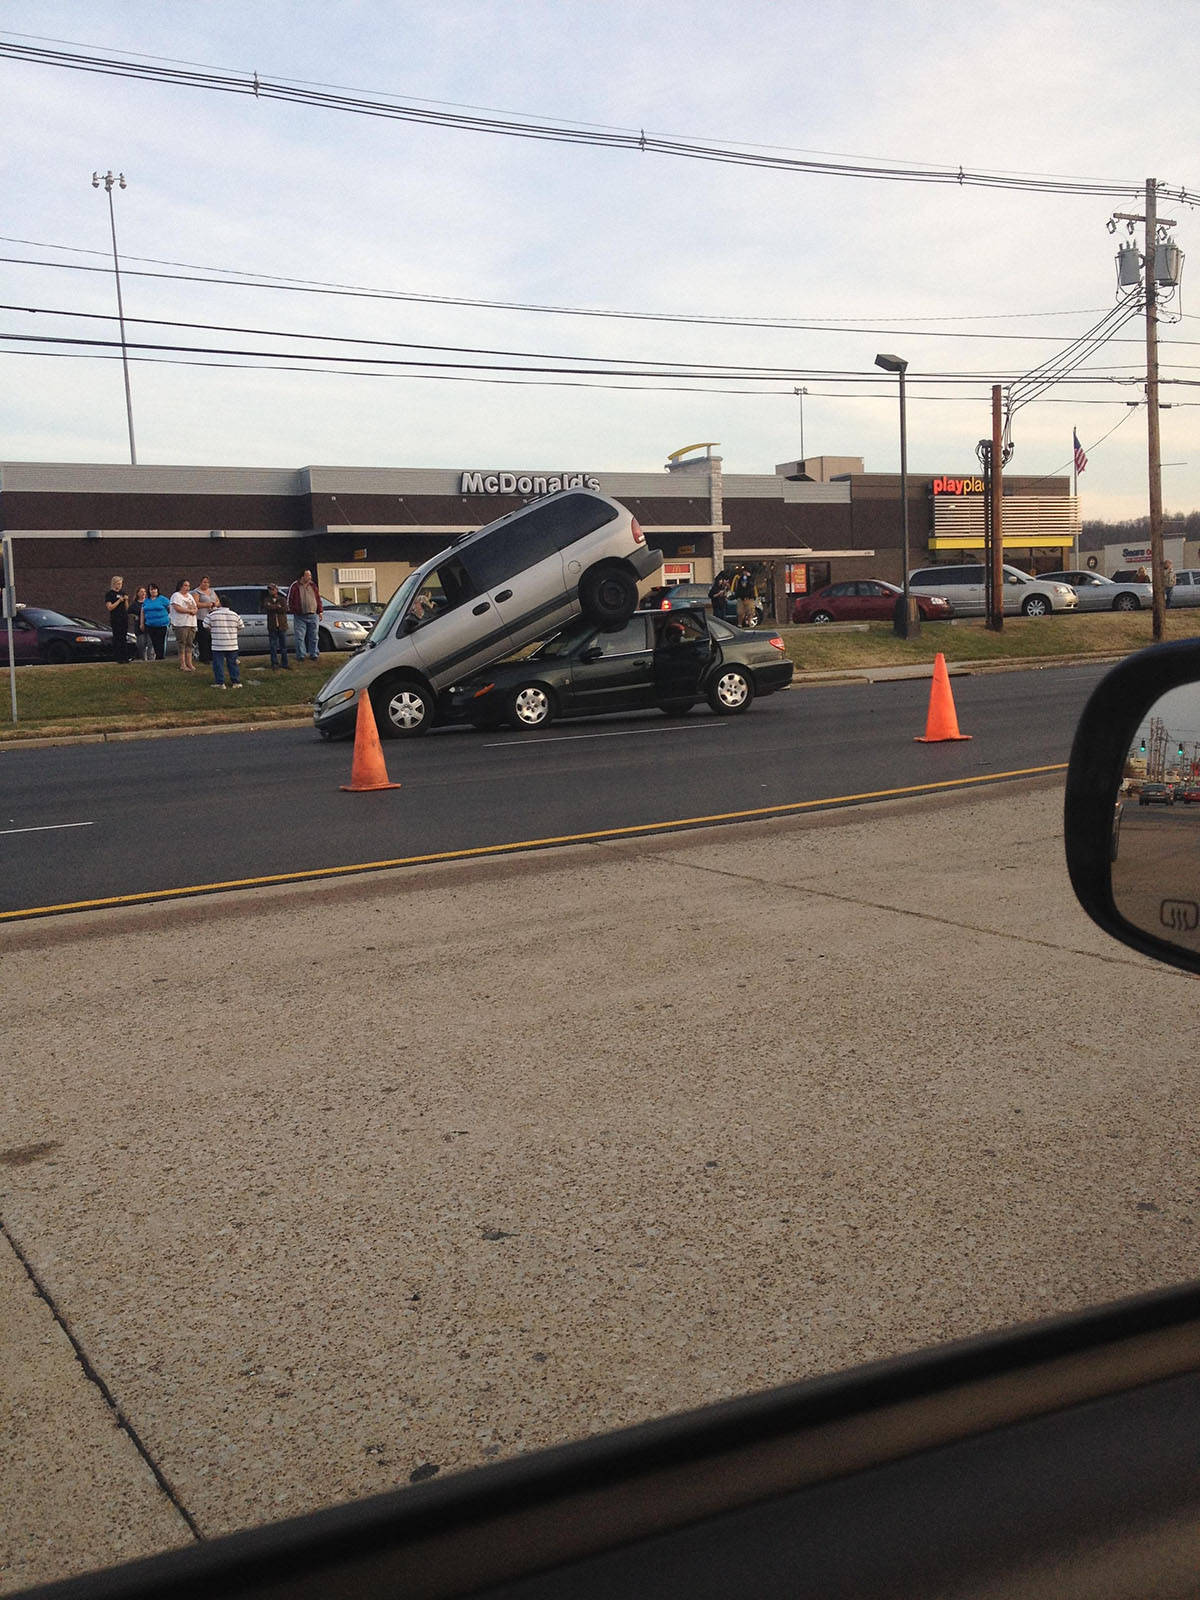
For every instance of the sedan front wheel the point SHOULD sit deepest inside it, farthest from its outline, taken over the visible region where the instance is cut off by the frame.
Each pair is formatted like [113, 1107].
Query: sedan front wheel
[530, 706]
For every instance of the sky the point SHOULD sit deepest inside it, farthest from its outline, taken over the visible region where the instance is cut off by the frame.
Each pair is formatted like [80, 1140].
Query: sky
[980, 283]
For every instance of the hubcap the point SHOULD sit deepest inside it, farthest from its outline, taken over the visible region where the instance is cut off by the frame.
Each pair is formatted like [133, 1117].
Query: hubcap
[406, 710]
[531, 706]
[732, 689]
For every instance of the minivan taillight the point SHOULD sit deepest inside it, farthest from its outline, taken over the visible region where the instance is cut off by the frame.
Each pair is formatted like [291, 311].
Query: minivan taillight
[638, 536]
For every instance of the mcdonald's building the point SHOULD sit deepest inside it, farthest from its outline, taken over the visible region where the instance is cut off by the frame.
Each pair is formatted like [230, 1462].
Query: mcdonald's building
[362, 529]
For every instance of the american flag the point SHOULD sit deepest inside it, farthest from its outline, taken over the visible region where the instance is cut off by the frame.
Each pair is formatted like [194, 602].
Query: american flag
[1080, 457]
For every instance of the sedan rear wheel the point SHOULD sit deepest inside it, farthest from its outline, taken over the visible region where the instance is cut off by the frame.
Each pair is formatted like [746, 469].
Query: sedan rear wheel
[822, 616]
[732, 691]
[530, 706]
[1127, 602]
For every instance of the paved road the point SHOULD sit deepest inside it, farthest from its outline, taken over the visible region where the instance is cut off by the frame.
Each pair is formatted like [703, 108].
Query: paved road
[421, 1171]
[90, 822]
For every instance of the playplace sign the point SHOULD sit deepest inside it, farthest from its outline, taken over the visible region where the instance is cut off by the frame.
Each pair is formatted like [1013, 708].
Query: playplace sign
[957, 486]
[525, 482]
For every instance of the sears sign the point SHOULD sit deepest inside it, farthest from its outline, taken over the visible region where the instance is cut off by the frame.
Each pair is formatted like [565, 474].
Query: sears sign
[524, 482]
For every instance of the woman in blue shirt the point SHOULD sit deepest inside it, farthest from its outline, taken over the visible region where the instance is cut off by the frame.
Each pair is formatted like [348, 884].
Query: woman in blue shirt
[154, 619]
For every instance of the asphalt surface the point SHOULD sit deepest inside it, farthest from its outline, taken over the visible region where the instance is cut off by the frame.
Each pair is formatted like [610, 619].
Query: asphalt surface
[336, 1186]
[91, 822]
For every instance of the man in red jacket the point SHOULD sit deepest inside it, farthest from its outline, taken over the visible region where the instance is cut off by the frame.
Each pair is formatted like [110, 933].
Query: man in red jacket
[305, 608]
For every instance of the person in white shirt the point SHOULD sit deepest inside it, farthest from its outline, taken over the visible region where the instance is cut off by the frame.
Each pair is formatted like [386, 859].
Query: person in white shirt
[224, 626]
[182, 610]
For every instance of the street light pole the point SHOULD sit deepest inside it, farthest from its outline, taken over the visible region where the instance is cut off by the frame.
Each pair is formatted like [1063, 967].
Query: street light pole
[906, 622]
[108, 180]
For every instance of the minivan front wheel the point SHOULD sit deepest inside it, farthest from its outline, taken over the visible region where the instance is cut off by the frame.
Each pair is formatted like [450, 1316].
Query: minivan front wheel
[1036, 606]
[608, 597]
[403, 710]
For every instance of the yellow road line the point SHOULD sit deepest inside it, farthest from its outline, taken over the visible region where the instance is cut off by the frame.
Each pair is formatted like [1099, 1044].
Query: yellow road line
[149, 896]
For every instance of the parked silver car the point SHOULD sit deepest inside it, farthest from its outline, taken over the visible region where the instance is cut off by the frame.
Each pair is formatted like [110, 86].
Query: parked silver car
[1096, 593]
[516, 580]
[965, 590]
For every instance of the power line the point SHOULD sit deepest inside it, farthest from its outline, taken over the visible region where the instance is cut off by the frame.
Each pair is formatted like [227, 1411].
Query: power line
[247, 84]
[199, 273]
[772, 325]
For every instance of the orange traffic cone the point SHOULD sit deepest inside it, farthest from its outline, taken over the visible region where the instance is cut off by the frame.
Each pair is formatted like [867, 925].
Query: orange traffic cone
[942, 722]
[367, 770]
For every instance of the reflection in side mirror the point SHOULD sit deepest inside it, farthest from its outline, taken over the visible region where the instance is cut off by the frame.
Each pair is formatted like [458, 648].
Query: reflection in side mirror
[1133, 804]
[1156, 845]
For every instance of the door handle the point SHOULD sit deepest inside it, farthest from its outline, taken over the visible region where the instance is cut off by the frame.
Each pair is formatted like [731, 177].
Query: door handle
[505, 594]
[478, 611]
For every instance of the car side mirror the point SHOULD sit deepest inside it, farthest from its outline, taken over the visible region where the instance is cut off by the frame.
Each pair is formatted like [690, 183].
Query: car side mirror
[592, 653]
[410, 624]
[1132, 839]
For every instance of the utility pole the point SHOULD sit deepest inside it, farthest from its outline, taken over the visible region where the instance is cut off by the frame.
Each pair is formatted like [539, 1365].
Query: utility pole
[1153, 223]
[996, 620]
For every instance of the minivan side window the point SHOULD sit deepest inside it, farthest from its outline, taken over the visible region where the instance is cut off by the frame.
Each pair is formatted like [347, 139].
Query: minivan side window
[541, 531]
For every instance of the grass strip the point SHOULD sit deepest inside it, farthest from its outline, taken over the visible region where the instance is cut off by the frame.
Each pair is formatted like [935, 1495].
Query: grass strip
[107, 698]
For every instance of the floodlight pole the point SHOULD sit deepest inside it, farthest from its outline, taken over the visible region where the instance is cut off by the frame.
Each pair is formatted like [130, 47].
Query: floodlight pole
[108, 180]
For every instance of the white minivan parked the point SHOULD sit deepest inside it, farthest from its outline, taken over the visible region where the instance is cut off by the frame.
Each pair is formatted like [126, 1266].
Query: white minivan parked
[965, 589]
[491, 592]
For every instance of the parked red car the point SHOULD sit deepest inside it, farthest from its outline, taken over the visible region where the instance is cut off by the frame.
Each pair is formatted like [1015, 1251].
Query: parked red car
[865, 600]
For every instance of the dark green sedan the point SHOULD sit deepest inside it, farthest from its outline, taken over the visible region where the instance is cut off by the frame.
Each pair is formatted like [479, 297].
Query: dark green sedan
[669, 659]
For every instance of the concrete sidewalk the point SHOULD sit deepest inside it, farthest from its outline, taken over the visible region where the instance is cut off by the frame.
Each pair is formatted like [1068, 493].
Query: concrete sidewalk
[336, 1186]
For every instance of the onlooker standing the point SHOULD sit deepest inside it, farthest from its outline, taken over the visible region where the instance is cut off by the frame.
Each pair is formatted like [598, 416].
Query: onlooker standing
[1168, 580]
[719, 595]
[145, 651]
[305, 609]
[183, 621]
[156, 613]
[205, 602]
[275, 606]
[745, 594]
[224, 626]
[117, 604]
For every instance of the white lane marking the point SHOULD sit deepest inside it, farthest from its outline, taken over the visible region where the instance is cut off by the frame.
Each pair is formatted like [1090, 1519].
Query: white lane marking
[628, 733]
[48, 827]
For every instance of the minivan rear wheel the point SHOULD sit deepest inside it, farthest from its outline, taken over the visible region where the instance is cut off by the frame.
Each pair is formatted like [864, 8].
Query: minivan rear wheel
[608, 596]
[403, 709]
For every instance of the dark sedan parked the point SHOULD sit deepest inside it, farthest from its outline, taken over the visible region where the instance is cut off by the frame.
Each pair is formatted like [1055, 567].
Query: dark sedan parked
[666, 659]
[865, 600]
[43, 635]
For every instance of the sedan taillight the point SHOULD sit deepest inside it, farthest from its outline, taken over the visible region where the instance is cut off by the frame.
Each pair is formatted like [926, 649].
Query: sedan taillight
[777, 642]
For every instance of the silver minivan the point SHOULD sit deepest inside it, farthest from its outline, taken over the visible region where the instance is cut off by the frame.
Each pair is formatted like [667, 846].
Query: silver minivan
[491, 592]
[964, 588]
